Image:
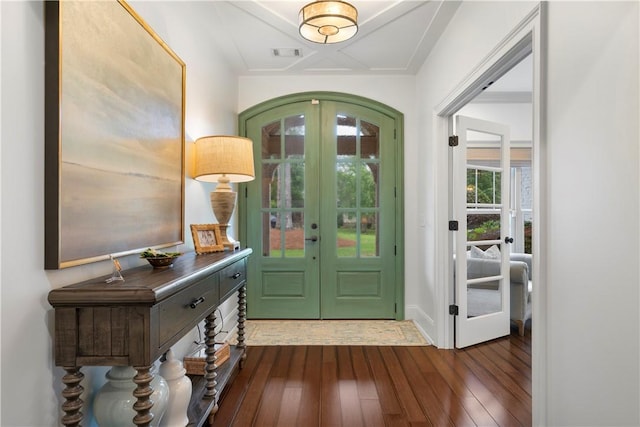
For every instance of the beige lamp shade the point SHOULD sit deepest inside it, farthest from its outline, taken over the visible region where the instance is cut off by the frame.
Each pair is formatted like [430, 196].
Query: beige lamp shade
[224, 156]
[327, 21]
[224, 159]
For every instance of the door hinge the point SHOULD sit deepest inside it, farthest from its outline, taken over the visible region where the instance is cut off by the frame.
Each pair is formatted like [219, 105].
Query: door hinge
[395, 307]
[246, 192]
[453, 225]
[453, 310]
[395, 249]
[394, 134]
[453, 141]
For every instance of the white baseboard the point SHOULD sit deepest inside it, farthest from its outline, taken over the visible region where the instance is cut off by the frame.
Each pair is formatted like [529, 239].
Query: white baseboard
[424, 323]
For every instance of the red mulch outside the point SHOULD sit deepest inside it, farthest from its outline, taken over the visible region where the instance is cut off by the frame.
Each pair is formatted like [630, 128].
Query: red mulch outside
[294, 239]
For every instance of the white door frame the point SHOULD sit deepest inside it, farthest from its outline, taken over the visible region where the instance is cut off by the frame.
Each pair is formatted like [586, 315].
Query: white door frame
[526, 37]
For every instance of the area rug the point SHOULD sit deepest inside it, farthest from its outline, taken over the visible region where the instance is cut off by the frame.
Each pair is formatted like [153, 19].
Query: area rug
[333, 332]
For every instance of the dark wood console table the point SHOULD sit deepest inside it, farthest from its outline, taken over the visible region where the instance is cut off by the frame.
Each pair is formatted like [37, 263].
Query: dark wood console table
[133, 323]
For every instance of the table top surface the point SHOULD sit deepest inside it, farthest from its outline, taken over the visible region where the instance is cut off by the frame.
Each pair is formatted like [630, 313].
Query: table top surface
[144, 284]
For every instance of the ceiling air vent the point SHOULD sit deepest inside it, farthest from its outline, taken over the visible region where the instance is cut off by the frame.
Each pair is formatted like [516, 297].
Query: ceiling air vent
[286, 52]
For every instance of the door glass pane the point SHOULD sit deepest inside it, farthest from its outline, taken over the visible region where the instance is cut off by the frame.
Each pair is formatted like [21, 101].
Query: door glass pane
[369, 185]
[295, 192]
[271, 177]
[271, 141]
[285, 235]
[369, 234]
[346, 132]
[483, 186]
[284, 185]
[484, 295]
[271, 241]
[483, 226]
[357, 183]
[484, 169]
[283, 188]
[369, 141]
[346, 176]
[294, 137]
[347, 237]
[357, 234]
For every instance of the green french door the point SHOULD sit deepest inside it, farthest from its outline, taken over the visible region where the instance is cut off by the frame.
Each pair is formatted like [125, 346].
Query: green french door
[321, 215]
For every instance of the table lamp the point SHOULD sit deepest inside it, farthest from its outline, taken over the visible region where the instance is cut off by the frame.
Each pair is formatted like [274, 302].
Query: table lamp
[224, 159]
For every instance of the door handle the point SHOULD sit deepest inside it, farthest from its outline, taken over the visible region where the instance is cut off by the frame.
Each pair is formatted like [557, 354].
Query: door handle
[312, 238]
[508, 239]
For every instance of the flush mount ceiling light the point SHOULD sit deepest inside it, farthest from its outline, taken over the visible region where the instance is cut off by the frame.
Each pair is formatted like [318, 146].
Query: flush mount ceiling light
[326, 21]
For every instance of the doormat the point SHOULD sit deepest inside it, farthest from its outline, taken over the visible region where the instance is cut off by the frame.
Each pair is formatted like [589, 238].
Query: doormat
[333, 332]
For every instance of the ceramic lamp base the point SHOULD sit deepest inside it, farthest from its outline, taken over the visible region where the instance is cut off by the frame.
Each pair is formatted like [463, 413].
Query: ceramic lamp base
[226, 241]
[223, 203]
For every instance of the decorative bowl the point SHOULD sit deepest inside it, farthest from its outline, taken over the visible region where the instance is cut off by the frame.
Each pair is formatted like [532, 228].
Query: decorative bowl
[161, 261]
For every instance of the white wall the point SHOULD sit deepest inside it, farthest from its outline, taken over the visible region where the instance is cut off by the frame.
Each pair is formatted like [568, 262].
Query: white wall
[592, 197]
[518, 116]
[394, 91]
[30, 383]
[593, 210]
[474, 31]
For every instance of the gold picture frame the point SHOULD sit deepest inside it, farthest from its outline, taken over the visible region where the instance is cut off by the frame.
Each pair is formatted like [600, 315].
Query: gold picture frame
[114, 134]
[207, 238]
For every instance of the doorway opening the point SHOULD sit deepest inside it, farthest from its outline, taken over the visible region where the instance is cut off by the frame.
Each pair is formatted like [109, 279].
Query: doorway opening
[524, 40]
[521, 47]
[323, 218]
[492, 188]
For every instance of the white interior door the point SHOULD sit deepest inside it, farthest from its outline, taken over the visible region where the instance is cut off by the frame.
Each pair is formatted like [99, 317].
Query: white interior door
[481, 177]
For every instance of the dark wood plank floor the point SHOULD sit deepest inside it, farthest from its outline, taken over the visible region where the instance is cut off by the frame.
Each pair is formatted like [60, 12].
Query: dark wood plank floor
[350, 386]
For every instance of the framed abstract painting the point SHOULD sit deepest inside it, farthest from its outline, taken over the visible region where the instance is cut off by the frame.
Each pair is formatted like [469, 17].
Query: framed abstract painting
[114, 135]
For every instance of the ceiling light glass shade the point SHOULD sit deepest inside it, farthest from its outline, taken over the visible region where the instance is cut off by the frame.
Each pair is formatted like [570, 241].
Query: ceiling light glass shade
[224, 156]
[327, 21]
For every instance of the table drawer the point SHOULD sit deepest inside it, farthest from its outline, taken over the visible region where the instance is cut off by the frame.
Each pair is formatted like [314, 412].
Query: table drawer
[231, 277]
[187, 307]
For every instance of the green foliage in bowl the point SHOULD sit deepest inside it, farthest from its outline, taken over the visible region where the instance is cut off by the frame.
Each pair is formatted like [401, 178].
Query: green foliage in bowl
[152, 253]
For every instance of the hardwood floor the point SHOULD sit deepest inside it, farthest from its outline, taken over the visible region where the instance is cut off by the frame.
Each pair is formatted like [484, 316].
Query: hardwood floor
[306, 386]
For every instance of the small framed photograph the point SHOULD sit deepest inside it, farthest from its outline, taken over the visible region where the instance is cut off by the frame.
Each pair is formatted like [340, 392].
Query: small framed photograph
[207, 238]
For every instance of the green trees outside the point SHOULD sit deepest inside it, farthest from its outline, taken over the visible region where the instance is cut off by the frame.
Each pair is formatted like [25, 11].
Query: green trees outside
[346, 175]
[483, 188]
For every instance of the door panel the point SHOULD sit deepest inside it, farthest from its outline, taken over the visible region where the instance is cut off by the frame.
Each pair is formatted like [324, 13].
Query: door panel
[358, 218]
[481, 197]
[322, 215]
[285, 267]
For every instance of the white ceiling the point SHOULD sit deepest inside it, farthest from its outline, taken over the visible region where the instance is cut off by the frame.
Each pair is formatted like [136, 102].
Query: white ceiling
[394, 37]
